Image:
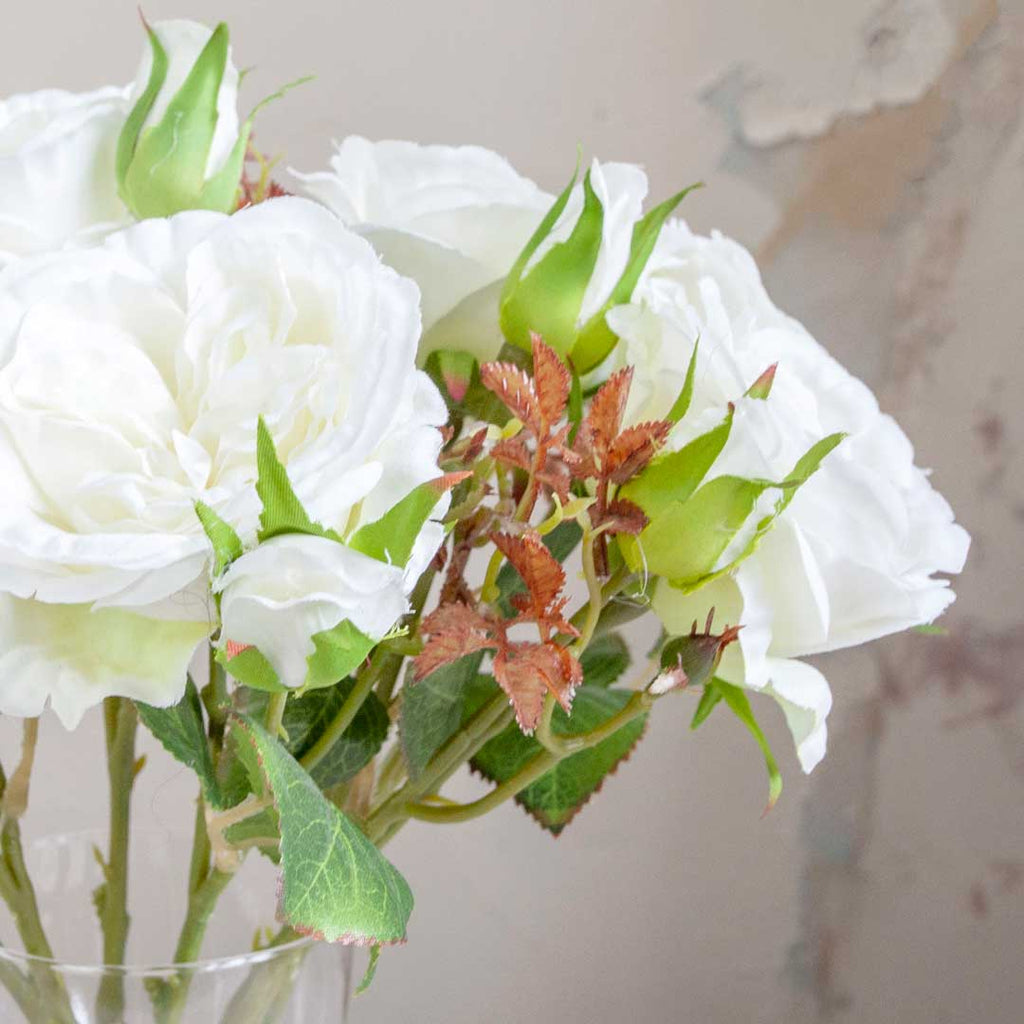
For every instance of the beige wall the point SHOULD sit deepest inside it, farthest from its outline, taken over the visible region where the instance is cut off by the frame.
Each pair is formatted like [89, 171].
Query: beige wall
[873, 152]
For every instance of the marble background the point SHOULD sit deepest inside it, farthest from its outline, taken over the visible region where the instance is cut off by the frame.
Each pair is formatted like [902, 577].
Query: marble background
[872, 153]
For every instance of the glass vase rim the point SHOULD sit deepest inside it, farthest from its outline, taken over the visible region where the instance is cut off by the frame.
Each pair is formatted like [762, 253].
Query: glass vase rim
[203, 965]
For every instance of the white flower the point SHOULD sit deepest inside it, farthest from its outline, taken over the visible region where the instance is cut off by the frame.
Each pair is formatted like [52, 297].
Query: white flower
[57, 179]
[456, 218]
[183, 41]
[453, 218]
[131, 379]
[279, 595]
[853, 556]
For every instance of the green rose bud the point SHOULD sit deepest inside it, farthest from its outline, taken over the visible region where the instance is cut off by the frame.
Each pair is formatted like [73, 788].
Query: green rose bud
[181, 147]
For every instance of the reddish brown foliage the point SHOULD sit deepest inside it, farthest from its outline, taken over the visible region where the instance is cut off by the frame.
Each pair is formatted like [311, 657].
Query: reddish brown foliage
[526, 671]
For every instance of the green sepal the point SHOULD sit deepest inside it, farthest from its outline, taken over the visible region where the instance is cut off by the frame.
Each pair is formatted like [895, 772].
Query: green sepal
[182, 734]
[685, 541]
[457, 376]
[681, 406]
[541, 232]
[557, 797]
[129, 136]
[739, 705]
[307, 716]
[391, 538]
[227, 545]
[710, 697]
[673, 477]
[337, 653]
[596, 339]
[548, 299]
[371, 971]
[805, 468]
[335, 884]
[282, 511]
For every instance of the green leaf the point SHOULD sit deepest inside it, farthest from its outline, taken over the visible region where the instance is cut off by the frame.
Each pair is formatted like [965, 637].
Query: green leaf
[433, 710]
[227, 546]
[604, 660]
[129, 136]
[282, 511]
[681, 406]
[391, 538]
[685, 541]
[166, 173]
[931, 629]
[307, 716]
[549, 298]
[555, 798]
[336, 885]
[182, 734]
[737, 701]
[596, 339]
[265, 825]
[709, 700]
[561, 542]
[673, 477]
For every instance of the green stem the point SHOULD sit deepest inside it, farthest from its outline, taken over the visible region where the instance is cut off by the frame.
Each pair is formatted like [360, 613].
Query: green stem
[365, 682]
[199, 864]
[540, 765]
[18, 893]
[595, 593]
[386, 819]
[275, 713]
[170, 997]
[122, 719]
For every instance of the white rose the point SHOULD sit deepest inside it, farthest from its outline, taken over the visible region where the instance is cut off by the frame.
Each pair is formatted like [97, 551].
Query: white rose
[853, 556]
[456, 218]
[57, 179]
[131, 379]
[184, 41]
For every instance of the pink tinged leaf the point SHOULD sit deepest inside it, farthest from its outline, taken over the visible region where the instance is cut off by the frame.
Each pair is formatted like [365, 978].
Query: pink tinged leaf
[552, 381]
[762, 387]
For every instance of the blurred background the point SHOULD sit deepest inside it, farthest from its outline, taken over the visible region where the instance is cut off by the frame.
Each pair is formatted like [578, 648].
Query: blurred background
[871, 153]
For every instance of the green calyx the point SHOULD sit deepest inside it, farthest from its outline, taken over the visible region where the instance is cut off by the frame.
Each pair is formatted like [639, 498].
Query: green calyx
[161, 169]
[547, 298]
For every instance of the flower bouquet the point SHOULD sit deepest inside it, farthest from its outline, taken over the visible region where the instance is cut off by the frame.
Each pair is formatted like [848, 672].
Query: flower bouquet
[339, 482]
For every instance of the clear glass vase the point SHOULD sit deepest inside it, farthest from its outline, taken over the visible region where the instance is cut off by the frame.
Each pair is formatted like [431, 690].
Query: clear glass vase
[298, 981]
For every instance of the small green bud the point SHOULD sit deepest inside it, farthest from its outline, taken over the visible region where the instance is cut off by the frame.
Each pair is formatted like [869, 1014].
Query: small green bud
[181, 147]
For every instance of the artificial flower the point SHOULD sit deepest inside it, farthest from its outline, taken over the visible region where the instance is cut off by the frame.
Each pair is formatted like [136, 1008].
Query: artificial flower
[854, 555]
[57, 180]
[132, 376]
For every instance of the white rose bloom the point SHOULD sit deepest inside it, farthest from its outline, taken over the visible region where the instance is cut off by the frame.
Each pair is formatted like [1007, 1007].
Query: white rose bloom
[132, 375]
[456, 218]
[853, 557]
[279, 595]
[184, 41]
[57, 179]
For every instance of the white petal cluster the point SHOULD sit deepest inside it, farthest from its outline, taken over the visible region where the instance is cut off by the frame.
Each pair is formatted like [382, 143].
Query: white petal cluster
[57, 179]
[132, 375]
[854, 556]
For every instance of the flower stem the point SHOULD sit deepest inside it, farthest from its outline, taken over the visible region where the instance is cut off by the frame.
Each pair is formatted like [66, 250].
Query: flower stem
[366, 679]
[121, 719]
[386, 819]
[275, 713]
[170, 996]
[539, 765]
